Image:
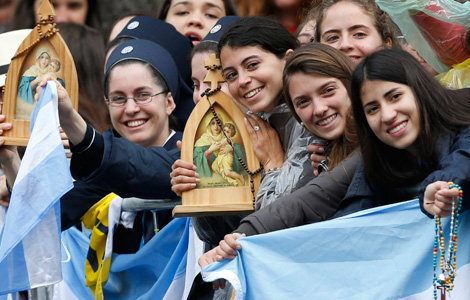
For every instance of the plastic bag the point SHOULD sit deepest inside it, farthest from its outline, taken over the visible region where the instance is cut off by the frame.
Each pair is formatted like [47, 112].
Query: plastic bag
[456, 78]
[436, 28]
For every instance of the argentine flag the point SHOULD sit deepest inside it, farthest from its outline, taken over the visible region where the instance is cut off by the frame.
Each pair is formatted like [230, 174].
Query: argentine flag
[30, 244]
[377, 254]
[164, 268]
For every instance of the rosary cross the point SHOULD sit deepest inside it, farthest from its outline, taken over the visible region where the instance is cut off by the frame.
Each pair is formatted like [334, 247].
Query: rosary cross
[443, 291]
[213, 76]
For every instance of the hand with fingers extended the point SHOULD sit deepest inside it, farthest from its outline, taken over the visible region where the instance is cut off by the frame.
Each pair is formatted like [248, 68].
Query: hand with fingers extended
[438, 198]
[266, 143]
[183, 175]
[227, 248]
[65, 104]
[317, 156]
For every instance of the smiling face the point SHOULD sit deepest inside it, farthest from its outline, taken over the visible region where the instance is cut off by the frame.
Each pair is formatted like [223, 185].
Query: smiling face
[321, 102]
[254, 76]
[144, 125]
[392, 113]
[194, 18]
[348, 27]
[74, 11]
[44, 60]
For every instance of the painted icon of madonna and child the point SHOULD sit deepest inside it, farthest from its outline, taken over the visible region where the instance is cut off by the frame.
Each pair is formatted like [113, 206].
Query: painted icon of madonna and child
[217, 151]
[44, 61]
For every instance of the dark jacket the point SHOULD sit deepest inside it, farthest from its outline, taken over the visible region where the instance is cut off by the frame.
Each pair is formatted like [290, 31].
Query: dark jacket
[106, 163]
[317, 201]
[453, 154]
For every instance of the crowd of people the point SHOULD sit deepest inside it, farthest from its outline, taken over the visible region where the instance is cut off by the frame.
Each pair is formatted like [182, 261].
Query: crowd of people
[343, 114]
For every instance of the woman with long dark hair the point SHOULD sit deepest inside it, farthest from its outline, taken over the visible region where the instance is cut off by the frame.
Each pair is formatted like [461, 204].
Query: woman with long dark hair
[414, 135]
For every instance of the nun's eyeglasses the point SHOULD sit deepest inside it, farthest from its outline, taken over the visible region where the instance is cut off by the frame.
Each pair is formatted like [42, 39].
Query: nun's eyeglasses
[141, 99]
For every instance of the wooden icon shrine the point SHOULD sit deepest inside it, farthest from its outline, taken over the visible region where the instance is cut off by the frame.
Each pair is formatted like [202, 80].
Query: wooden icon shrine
[216, 141]
[42, 52]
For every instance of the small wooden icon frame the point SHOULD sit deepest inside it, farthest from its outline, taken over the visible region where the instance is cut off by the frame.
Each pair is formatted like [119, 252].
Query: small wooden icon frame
[218, 194]
[44, 40]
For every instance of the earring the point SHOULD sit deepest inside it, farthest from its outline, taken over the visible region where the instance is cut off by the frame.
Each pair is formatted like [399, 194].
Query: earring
[302, 124]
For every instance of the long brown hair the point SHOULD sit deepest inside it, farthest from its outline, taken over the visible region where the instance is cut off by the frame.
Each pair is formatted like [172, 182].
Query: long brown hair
[89, 61]
[320, 59]
[382, 21]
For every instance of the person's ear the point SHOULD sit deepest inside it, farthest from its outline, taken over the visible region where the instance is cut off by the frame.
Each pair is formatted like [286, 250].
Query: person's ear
[388, 43]
[288, 53]
[170, 104]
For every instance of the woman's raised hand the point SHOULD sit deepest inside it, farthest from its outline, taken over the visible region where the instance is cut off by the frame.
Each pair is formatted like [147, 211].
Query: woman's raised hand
[73, 124]
[227, 248]
[438, 198]
[265, 141]
[65, 104]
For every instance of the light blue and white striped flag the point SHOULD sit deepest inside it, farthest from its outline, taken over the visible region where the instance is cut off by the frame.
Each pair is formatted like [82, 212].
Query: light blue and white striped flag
[164, 268]
[30, 243]
[381, 253]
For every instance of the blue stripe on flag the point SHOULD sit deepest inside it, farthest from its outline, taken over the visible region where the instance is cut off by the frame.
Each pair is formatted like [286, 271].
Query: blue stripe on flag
[49, 95]
[167, 251]
[30, 245]
[382, 253]
[15, 279]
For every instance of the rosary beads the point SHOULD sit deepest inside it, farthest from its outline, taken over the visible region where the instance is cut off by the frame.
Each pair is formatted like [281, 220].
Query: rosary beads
[448, 266]
[207, 93]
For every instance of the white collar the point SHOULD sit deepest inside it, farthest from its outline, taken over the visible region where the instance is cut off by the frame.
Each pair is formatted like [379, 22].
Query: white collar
[172, 133]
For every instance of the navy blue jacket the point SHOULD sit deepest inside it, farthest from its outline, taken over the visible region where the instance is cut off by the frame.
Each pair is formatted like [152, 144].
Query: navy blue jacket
[453, 154]
[107, 163]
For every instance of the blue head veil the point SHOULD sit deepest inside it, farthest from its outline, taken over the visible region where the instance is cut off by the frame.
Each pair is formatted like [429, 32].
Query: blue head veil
[151, 53]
